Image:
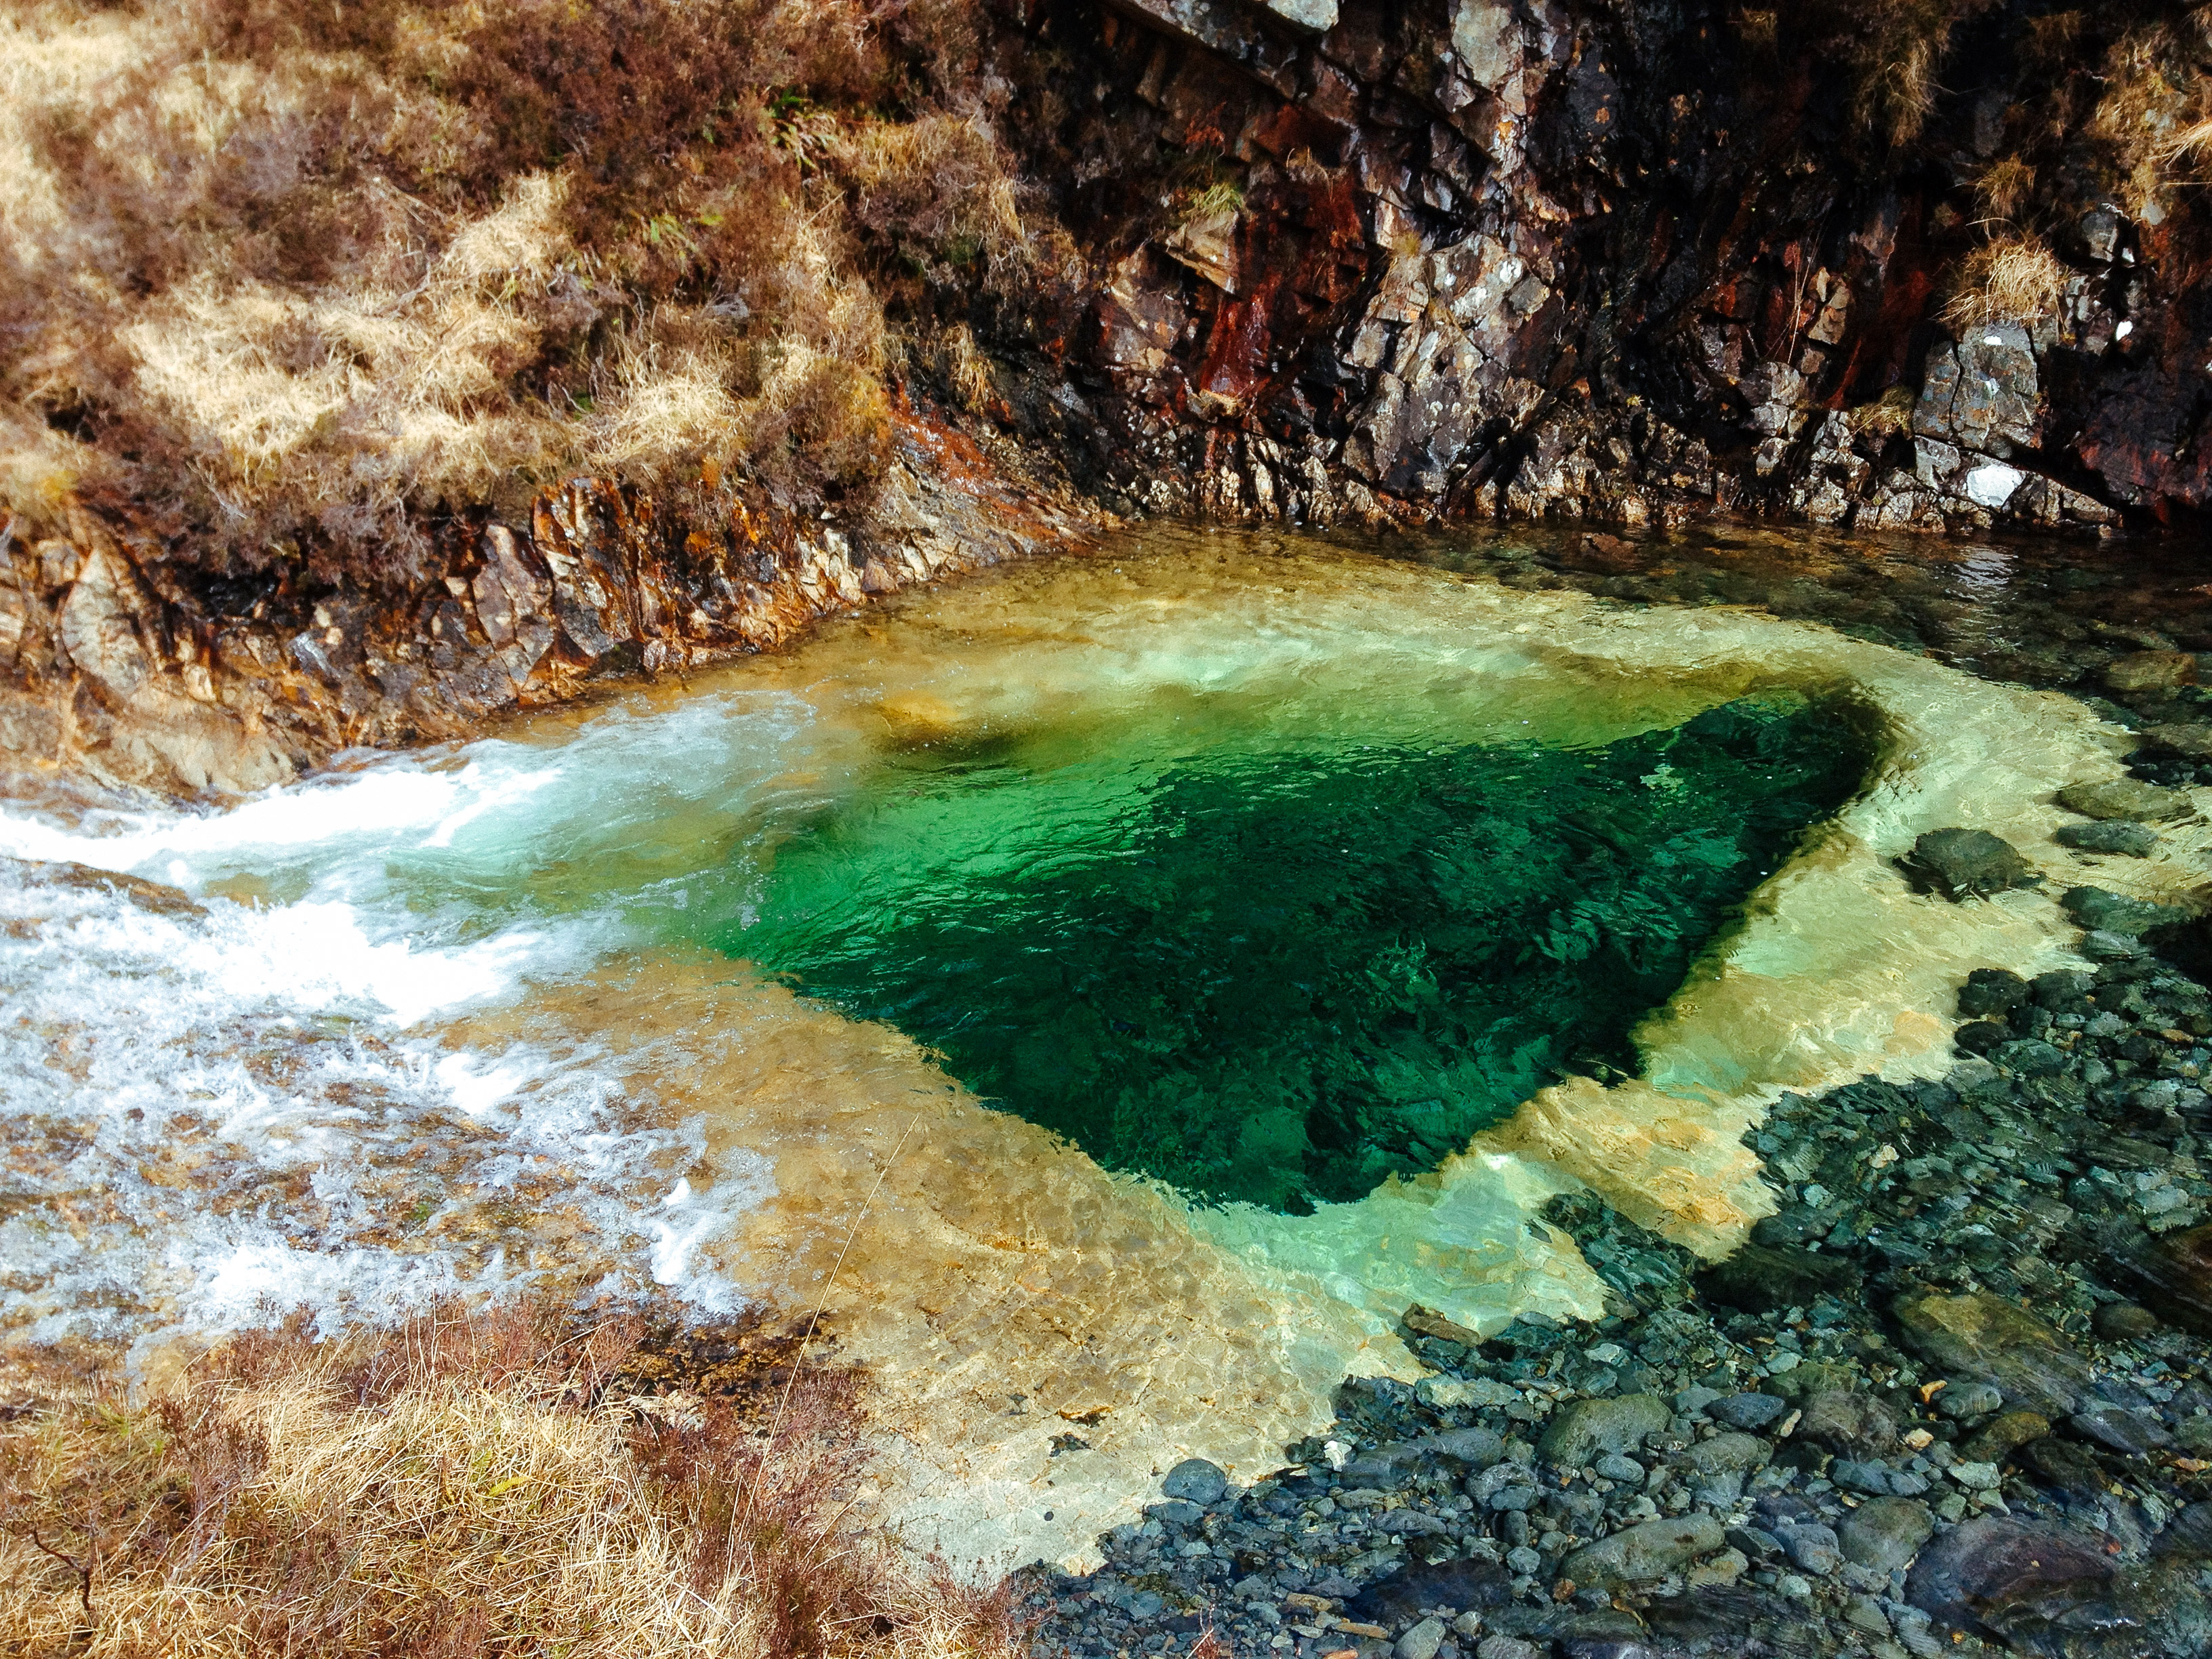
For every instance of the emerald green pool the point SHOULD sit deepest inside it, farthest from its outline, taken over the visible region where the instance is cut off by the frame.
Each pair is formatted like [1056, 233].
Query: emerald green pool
[1268, 963]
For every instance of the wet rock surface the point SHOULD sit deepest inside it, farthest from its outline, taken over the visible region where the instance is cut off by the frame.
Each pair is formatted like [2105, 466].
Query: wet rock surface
[1962, 864]
[1326, 264]
[1980, 1425]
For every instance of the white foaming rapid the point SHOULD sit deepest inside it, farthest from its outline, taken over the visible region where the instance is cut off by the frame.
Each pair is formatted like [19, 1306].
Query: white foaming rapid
[223, 1111]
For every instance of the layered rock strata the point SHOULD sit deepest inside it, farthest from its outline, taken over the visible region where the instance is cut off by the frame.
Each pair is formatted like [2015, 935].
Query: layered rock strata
[1630, 264]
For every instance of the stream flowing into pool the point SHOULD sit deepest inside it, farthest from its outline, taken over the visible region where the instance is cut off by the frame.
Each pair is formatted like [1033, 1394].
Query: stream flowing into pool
[1199, 949]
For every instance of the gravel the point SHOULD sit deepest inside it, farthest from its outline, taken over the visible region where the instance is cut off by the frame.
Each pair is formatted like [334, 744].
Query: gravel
[1953, 1397]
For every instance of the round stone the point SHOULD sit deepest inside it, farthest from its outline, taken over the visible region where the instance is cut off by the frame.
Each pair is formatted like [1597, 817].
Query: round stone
[1196, 1481]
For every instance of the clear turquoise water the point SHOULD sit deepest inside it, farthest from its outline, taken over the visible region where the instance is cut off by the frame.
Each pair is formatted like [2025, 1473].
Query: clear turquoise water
[1273, 965]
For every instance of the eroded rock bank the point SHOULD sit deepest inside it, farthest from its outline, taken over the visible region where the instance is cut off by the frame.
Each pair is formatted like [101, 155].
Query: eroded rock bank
[1953, 1397]
[123, 664]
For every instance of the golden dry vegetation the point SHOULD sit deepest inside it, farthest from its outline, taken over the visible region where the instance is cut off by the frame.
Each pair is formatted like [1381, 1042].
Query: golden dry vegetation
[283, 278]
[2112, 103]
[2015, 279]
[462, 1487]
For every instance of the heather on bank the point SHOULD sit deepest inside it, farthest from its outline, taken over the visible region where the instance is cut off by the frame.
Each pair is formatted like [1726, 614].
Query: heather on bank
[460, 1487]
[277, 281]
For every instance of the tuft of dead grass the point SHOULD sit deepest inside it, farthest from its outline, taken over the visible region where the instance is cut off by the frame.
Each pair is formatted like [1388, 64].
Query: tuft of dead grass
[1894, 51]
[461, 1487]
[2005, 187]
[2011, 280]
[2154, 110]
[282, 279]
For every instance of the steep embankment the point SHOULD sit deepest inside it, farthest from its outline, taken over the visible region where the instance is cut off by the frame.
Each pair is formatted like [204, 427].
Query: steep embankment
[360, 378]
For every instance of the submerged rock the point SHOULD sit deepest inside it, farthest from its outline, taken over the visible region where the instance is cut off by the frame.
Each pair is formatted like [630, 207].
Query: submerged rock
[2126, 798]
[152, 896]
[1993, 1569]
[1847, 1420]
[2172, 1275]
[1963, 864]
[2151, 670]
[1748, 1411]
[2123, 1322]
[1641, 1553]
[1763, 1278]
[1195, 1480]
[2117, 836]
[2192, 739]
[1985, 1337]
[1588, 1427]
[2004, 1434]
[1885, 1533]
[1992, 991]
[2104, 911]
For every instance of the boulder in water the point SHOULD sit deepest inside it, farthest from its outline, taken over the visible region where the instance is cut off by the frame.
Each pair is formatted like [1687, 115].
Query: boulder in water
[2126, 798]
[1962, 864]
[2114, 836]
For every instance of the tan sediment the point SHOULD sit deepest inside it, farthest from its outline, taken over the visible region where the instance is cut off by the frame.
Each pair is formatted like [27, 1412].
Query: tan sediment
[1001, 1289]
[1007, 1293]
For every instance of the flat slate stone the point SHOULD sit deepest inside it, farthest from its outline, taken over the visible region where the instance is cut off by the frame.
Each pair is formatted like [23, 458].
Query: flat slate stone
[2095, 908]
[2126, 798]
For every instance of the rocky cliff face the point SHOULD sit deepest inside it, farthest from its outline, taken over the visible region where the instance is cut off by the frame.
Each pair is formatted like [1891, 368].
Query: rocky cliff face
[1920, 265]
[1634, 261]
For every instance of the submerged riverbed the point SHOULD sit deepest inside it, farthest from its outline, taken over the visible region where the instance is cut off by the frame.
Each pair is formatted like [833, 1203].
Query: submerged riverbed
[1312, 918]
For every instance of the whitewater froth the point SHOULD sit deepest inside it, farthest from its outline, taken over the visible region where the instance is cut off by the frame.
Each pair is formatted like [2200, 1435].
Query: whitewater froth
[222, 1110]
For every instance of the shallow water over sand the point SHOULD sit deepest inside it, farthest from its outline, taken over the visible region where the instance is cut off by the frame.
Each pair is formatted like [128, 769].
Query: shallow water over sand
[458, 1020]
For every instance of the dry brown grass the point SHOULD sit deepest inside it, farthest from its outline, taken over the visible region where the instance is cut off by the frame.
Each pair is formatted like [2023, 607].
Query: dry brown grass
[283, 279]
[463, 1486]
[2013, 280]
[1894, 51]
[2154, 110]
[2004, 189]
